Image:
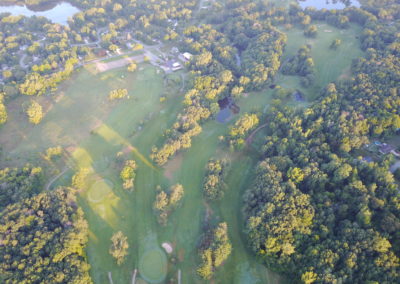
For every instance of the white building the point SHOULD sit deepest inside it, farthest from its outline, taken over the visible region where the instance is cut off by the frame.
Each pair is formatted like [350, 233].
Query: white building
[176, 66]
[187, 56]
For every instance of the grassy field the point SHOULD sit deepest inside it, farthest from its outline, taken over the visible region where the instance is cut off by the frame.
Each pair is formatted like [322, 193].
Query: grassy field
[330, 65]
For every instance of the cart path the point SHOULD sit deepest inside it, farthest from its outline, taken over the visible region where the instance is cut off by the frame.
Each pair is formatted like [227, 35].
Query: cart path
[56, 177]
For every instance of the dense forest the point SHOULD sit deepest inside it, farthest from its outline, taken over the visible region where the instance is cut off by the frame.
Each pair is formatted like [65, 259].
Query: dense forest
[316, 211]
[43, 239]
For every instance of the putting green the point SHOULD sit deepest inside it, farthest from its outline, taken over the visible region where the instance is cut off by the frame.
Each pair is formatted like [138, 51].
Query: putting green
[99, 190]
[153, 266]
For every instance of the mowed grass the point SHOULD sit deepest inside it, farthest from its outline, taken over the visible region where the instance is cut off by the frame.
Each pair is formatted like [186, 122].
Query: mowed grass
[330, 65]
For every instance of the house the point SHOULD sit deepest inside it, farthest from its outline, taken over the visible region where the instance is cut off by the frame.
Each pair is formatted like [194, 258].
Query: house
[176, 66]
[386, 149]
[173, 65]
[187, 56]
[396, 153]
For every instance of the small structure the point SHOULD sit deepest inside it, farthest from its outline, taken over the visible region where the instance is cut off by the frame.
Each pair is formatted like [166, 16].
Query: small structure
[187, 56]
[175, 50]
[386, 149]
[174, 65]
[396, 153]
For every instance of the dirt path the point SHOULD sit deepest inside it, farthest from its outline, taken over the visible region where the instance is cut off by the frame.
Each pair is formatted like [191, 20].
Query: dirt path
[249, 139]
[56, 177]
[172, 166]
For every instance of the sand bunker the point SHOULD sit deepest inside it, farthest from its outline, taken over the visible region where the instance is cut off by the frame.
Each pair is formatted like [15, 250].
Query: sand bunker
[168, 247]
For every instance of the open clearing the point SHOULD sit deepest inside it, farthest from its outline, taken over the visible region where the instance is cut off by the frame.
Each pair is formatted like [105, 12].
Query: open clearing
[329, 64]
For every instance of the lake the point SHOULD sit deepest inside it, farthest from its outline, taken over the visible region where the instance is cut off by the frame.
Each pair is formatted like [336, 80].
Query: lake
[328, 4]
[57, 14]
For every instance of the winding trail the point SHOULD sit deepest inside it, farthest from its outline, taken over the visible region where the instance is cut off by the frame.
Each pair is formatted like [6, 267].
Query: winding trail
[56, 177]
[249, 139]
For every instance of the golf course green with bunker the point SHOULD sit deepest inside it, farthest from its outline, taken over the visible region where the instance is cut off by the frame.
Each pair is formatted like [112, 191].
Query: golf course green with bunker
[153, 265]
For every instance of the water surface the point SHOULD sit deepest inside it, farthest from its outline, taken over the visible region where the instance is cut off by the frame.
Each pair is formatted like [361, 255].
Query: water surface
[58, 14]
[328, 4]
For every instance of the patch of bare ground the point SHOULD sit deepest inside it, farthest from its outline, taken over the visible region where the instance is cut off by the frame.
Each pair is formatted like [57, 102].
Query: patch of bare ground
[346, 75]
[105, 66]
[172, 166]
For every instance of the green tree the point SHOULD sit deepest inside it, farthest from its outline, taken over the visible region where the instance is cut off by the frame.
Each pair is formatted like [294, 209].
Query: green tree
[79, 178]
[119, 247]
[3, 110]
[34, 113]
[132, 67]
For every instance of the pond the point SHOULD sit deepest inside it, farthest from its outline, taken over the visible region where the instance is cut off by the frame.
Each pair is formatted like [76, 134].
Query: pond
[224, 115]
[328, 4]
[57, 14]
